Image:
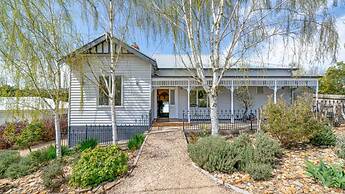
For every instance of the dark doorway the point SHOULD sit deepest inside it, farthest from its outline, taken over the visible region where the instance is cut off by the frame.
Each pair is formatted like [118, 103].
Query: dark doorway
[163, 103]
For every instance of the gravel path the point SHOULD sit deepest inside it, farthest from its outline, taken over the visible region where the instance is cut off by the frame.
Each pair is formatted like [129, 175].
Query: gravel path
[165, 167]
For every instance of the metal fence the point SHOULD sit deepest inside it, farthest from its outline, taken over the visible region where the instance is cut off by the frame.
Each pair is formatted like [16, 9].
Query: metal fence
[200, 121]
[103, 133]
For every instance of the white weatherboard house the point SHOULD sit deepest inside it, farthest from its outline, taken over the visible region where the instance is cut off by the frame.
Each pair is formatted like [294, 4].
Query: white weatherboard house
[162, 87]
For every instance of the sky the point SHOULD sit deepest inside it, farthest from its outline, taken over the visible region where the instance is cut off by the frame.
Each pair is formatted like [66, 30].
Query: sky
[278, 55]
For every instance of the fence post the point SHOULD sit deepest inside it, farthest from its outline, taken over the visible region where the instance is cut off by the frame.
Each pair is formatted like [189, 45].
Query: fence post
[68, 136]
[86, 132]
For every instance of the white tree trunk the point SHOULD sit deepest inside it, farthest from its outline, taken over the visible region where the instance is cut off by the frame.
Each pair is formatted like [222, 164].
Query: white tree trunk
[57, 134]
[214, 112]
[113, 121]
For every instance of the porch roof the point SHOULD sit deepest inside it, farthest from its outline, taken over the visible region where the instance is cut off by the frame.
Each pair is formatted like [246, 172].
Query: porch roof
[240, 81]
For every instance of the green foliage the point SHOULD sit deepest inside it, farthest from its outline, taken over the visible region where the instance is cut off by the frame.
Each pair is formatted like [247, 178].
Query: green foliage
[293, 124]
[135, 142]
[340, 147]
[86, 144]
[333, 81]
[52, 175]
[325, 137]
[266, 149]
[259, 171]
[254, 157]
[98, 165]
[30, 135]
[10, 133]
[327, 175]
[31, 163]
[7, 158]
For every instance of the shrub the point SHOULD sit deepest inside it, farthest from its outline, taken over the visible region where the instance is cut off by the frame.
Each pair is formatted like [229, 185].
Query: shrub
[325, 137]
[98, 165]
[86, 144]
[328, 175]
[48, 132]
[255, 157]
[30, 135]
[52, 175]
[212, 154]
[23, 167]
[340, 147]
[293, 124]
[135, 142]
[259, 171]
[7, 158]
[12, 130]
[266, 149]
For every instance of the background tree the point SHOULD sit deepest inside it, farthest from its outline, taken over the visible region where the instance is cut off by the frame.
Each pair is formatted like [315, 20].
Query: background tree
[333, 82]
[246, 99]
[35, 35]
[229, 31]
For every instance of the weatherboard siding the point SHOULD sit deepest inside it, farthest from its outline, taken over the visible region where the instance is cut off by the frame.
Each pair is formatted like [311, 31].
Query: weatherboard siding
[136, 102]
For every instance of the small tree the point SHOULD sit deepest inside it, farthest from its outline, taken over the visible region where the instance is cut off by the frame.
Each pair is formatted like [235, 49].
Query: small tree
[243, 94]
[30, 135]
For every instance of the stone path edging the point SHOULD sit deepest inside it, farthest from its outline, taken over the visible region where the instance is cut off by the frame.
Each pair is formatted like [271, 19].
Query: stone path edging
[220, 182]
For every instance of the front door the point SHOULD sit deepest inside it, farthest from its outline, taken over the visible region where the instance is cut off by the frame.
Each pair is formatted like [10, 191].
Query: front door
[163, 103]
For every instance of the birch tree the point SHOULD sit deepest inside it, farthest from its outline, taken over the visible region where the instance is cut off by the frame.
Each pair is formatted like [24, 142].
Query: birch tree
[113, 17]
[229, 31]
[35, 35]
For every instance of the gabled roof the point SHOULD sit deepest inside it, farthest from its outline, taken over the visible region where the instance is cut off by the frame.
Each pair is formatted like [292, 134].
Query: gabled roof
[101, 45]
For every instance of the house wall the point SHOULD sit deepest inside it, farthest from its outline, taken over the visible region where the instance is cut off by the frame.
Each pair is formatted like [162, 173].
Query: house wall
[136, 90]
[224, 99]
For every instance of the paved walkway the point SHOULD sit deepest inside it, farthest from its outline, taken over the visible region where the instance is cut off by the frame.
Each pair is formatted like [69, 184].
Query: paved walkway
[165, 167]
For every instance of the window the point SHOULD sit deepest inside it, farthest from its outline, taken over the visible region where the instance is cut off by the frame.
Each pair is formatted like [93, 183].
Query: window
[260, 90]
[198, 98]
[103, 97]
[172, 97]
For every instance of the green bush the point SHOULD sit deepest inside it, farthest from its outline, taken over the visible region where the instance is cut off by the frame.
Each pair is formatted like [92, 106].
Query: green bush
[135, 142]
[212, 154]
[7, 158]
[340, 147]
[325, 137]
[259, 171]
[53, 175]
[31, 163]
[327, 175]
[267, 150]
[99, 165]
[86, 144]
[30, 135]
[254, 157]
[16, 170]
[291, 124]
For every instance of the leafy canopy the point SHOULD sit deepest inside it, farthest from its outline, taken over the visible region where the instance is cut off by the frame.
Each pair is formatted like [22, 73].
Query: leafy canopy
[334, 80]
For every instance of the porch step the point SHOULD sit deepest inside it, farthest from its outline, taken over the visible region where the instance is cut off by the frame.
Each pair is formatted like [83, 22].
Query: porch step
[167, 124]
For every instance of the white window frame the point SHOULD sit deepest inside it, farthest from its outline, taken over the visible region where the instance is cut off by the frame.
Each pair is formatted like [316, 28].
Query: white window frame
[98, 92]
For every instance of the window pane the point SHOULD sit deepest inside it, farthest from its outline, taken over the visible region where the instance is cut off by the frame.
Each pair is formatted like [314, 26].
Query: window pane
[118, 90]
[172, 97]
[260, 90]
[103, 98]
[193, 98]
[202, 98]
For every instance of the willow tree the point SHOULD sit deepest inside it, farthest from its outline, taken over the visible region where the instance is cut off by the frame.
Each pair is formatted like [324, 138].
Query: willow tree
[229, 31]
[35, 35]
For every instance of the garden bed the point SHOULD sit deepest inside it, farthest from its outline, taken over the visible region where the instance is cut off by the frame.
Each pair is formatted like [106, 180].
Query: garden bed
[289, 176]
